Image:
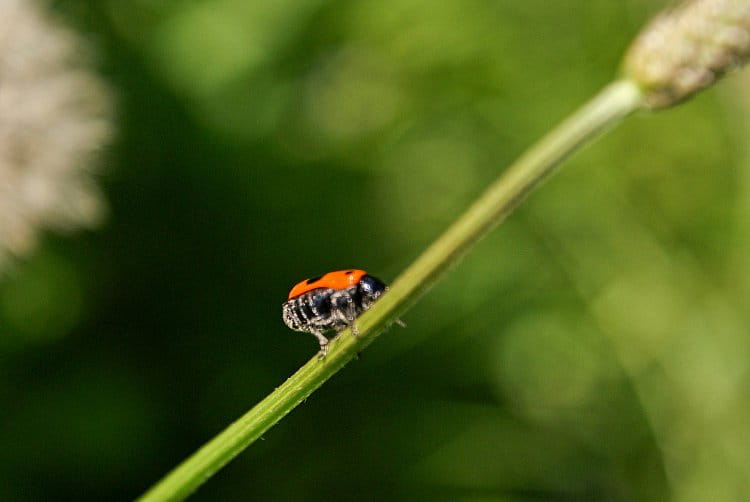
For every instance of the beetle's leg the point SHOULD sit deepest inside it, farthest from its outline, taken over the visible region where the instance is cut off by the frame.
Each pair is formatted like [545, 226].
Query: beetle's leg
[351, 315]
[341, 304]
[347, 307]
[400, 323]
[323, 341]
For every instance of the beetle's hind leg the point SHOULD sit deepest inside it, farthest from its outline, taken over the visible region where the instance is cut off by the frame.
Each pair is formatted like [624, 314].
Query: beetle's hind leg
[323, 341]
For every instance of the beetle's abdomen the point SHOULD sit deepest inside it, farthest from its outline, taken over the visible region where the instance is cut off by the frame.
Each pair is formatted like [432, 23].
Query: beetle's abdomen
[310, 311]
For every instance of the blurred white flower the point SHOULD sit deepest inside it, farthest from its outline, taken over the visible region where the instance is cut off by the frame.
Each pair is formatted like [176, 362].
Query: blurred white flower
[686, 48]
[54, 116]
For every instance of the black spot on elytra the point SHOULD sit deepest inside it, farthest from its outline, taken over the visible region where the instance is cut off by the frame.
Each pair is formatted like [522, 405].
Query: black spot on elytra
[349, 272]
[314, 279]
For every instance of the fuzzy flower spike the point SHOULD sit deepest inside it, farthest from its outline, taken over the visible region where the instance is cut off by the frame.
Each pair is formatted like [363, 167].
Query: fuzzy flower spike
[687, 48]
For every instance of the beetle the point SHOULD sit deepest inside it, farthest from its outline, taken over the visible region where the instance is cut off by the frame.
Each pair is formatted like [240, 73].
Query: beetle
[332, 301]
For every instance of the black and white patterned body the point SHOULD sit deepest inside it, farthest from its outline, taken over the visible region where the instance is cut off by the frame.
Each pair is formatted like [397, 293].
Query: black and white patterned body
[324, 309]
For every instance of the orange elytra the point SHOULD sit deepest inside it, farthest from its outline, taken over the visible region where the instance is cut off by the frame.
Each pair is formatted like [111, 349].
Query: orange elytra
[340, 279]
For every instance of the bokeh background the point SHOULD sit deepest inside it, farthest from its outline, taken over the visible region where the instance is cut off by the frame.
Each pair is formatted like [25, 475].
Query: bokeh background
[594, 347]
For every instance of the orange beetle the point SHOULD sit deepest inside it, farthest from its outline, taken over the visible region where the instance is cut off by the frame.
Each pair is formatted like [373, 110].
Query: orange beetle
[330, 302]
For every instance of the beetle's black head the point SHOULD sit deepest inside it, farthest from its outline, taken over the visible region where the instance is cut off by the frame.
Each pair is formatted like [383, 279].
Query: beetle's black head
[370, 289]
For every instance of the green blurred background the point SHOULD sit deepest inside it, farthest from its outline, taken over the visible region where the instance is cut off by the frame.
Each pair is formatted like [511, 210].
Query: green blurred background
[594, 347]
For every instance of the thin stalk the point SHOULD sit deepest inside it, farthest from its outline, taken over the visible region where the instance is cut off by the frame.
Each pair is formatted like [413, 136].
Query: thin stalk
[612, 104]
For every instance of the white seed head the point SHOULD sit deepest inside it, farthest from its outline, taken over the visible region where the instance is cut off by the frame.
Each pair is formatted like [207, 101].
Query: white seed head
[687, 48]
[54, 118]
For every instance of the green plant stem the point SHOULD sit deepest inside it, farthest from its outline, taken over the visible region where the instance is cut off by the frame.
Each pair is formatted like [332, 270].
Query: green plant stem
[612, 104]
